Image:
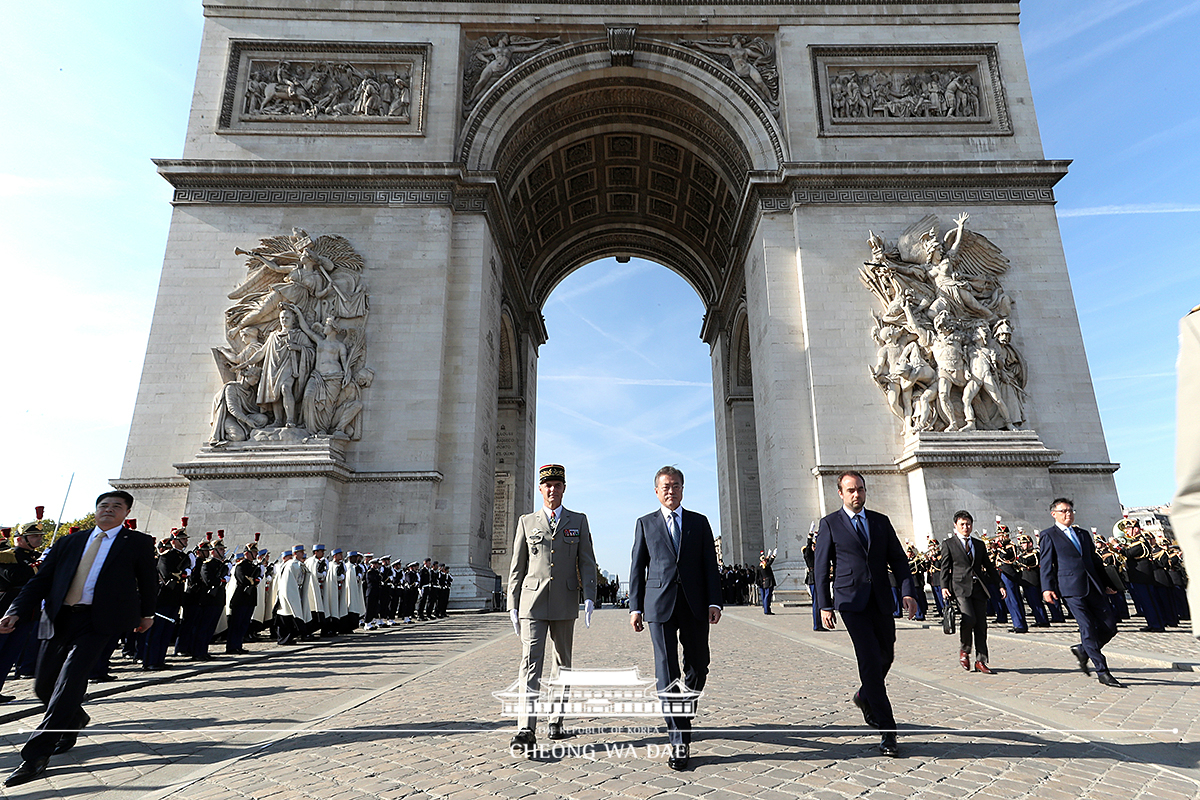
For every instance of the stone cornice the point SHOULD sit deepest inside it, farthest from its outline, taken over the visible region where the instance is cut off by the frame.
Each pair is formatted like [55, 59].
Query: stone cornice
[161, 482]
[976, 449]
[322, 459]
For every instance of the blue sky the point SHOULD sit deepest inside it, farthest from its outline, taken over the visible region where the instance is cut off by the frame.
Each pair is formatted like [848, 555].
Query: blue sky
[97, 90]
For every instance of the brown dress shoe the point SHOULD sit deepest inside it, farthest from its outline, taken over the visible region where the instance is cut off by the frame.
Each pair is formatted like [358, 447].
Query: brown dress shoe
[981, 666]
[964, 658]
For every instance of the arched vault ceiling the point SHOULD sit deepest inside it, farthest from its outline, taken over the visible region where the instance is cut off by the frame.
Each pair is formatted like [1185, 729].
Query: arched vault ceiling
[605, 159]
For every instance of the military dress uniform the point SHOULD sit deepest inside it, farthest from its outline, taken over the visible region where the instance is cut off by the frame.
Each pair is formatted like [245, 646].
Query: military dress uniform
[551, 563]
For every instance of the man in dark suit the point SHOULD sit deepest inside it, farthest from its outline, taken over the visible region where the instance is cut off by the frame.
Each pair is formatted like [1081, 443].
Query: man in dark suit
[855, 549]
[675, 588]
[967, 571]
[1072, 569]
[95, 585]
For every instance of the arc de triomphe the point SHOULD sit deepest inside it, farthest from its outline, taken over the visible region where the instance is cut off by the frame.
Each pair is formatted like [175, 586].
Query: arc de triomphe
[375, 201]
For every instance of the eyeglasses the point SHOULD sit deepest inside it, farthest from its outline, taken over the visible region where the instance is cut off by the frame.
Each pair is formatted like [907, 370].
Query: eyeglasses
[1064, 511]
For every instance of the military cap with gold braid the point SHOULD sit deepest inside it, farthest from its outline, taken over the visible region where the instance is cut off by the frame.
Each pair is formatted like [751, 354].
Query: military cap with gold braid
[552, 472]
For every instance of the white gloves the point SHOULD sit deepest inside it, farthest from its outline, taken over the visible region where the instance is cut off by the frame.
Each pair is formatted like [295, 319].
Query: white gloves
[512, 614]
[588, 608]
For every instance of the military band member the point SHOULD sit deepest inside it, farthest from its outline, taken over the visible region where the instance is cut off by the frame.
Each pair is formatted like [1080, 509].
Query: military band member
[1004, 557]
[409, 589]
[424, 596]
[1031, 579]
[444, 597]
[17, 567]
[552, 559]
[247, 575]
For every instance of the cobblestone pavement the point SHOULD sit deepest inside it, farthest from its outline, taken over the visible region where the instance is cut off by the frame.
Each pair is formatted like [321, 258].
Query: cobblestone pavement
[409, 713]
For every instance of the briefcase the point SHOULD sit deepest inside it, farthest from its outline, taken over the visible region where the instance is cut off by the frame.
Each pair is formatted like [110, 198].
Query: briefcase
[949, 617]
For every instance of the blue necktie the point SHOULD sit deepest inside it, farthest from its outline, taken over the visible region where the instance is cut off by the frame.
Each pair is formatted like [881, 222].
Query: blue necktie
[674, 532]
[861, 531]
[1074, 539]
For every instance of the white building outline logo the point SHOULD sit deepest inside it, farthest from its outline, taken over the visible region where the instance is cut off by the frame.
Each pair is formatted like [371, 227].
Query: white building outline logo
[599, 693]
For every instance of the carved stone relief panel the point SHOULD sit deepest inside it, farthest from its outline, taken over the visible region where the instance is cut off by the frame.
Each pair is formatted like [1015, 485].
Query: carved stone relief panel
[293, 364]
[490, 58]
[946, 359]
[903, 90]
[752, 59]
[325, 88]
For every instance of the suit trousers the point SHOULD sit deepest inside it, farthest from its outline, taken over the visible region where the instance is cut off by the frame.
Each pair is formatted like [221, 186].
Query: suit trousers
[682, 630]
[1097, 624]
[874, 636]
[534, 632]
[973, 624]
[61, 680]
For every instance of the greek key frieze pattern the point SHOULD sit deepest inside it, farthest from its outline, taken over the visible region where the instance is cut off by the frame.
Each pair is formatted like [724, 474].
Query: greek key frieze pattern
[351, 197]
[987, 194]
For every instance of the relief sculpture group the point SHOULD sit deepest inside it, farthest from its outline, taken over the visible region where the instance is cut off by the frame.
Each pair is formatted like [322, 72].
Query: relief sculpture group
[294, 362]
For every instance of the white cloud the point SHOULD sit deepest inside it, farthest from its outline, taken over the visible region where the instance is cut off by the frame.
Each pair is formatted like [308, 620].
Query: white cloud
[1117, 210]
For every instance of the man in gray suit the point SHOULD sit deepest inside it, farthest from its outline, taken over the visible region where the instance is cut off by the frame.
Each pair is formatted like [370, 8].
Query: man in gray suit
[552, 558]
[675, 587]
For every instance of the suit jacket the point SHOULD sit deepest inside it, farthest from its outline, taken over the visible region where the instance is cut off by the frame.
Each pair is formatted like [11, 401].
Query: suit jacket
[548, 569]
[1067, 571]
[657, 575]
[959, 570]
[860, 578]
[126, 587]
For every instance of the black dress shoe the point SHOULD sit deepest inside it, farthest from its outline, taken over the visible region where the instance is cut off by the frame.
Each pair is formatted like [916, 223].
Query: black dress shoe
[868, 717]
[888, 746]
[680, 757]
[556, 731]
[1082, 657]
[28, 771]
[7, 698]
[68, 740]
[1107, 679]
[106, 677]
[523, 742]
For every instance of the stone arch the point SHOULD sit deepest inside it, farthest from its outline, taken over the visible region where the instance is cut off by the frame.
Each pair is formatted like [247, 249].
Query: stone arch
[594, 160]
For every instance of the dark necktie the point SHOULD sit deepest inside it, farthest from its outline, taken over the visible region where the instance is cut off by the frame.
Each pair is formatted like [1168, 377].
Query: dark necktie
[861, 531]
[674, 525]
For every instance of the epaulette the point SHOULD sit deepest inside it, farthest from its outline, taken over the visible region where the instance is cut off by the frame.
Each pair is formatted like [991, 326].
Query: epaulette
[1194, 310]
[8, 556]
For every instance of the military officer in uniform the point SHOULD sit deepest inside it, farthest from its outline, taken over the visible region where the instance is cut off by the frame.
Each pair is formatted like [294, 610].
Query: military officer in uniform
[552, 559]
